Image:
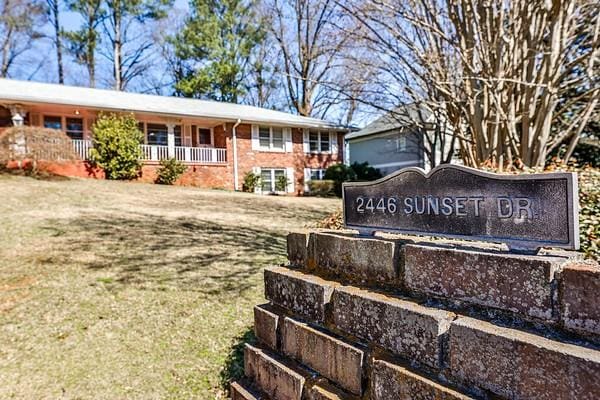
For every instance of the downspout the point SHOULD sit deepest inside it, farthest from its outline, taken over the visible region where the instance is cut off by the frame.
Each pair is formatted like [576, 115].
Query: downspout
[235, 160]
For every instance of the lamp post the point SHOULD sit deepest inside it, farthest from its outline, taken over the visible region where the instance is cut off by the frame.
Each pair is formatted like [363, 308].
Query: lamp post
[17, 119]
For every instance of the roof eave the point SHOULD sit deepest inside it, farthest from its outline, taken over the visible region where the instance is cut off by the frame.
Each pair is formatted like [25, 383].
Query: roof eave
[221, 118]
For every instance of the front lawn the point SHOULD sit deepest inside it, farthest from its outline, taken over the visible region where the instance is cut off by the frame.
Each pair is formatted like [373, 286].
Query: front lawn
[119, 290]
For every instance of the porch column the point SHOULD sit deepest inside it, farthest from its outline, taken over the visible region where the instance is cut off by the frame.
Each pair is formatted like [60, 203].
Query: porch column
[171, 139]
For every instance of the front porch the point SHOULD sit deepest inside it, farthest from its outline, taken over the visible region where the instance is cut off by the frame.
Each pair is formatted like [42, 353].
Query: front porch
[156, 153]
[191, 141]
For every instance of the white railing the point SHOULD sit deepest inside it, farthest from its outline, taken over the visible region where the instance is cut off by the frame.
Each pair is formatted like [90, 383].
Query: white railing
[82, 148]
[153, 152]
[203, 155]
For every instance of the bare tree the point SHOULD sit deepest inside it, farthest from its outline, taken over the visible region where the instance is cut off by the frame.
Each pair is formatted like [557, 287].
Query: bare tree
[262, 76]
[53, 10]
[311, 48]
[162, 79]
[493, 71]
[20, 25]
[126, 31]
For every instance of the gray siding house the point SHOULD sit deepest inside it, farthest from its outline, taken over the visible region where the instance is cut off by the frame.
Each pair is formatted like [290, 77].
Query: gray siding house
[391, 142]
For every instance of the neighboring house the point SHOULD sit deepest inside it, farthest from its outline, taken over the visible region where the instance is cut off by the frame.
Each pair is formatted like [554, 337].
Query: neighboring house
[391, 142]
[220, 142]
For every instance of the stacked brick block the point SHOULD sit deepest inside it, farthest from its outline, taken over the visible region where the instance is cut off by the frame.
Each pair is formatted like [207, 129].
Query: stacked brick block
[371, 318]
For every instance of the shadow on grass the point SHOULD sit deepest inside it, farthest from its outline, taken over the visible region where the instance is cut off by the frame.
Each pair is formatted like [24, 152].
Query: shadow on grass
[158, 253]
[234, 363]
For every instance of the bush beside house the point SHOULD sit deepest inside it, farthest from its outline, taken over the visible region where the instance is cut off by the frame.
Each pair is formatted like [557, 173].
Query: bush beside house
[170, 170]
[340, 173]
[251, 182]
[116, 148]
[323, 188]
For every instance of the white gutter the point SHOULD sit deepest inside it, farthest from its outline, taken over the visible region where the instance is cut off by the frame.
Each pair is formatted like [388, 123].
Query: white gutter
[235, 160]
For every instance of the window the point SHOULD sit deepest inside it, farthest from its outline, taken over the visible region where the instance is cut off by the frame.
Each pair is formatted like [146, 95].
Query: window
[158, 134]
[325, 142]
[269, 178]
[401, 144]
[314, 142]
[277, 138]
[75, 128]
[264, 136]
[51, 122]
[204, 137]
[319, 142]
[317, 174]
[271, 138]
[177, 131]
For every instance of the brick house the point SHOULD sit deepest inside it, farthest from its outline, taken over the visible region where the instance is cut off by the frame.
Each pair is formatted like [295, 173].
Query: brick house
[219, 142]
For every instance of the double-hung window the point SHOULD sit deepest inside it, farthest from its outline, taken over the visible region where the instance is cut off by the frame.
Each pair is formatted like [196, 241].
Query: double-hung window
[75, 128]
[271, 138]
[273, 180]
[319, 142]
[401, 144]
[317, 174]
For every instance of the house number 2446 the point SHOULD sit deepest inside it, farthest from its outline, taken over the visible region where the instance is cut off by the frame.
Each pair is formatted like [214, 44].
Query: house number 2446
[383, 205]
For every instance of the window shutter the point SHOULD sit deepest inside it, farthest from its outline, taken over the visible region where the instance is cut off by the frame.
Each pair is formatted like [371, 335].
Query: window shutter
[35, 119]
[256, 171]
[289, 173]
[334, 142]
[187, 135]
[305, 143]
[306, 179]
[255, 142]
[287, 136]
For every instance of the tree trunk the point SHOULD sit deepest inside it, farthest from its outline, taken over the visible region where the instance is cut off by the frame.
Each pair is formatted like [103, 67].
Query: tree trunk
[91, 46]
[57, 39]
[117, 47]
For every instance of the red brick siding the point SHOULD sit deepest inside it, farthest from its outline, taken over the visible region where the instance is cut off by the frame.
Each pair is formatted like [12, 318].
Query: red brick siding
[78, 169]
[248, 158]
[221, 176]
[204, 176]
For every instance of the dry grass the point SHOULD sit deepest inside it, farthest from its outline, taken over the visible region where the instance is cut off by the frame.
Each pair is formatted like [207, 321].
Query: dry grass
[111, 290]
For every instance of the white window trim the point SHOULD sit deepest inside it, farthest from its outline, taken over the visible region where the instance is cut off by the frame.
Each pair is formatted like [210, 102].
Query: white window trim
[332, 139]
[289, 174]
[320, 171]
[153, 122]
[401, 144]
[308, 176]
[271, 148]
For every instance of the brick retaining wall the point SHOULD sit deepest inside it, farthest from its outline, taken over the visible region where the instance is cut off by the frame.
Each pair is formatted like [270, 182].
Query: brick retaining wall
[373, 318]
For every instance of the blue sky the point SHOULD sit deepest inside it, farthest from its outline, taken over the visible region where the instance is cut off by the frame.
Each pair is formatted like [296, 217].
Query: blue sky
[40, 63]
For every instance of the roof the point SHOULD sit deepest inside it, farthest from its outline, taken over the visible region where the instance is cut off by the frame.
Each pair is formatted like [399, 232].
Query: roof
[402, 117]
[35, 92]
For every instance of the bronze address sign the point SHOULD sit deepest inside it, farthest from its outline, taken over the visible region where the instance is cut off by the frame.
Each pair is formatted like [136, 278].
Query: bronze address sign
[524, 211]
